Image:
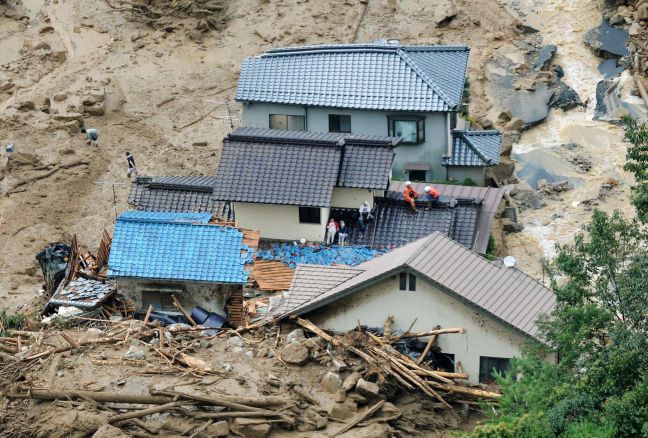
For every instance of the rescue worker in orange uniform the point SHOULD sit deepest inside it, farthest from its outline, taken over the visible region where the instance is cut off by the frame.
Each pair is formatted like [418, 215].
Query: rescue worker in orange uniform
[410, 195]
[431, 196]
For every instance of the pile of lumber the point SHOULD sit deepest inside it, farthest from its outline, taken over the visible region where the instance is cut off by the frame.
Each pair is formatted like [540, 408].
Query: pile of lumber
[211, 14]
[379, 354]
[271, 275]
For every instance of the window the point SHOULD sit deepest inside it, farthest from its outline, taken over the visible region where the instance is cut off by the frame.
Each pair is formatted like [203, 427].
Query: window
[403, 281]
[412, 282]
[488, 365]
[160, 300]
[417, 175]
[283, 121]
[309, 215]
[339, 123]
[410, 129]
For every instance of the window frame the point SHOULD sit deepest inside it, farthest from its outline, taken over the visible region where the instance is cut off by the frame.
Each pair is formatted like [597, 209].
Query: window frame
[487, 376]
[304, 214]
[332, 117]
[402, 281]
[411, 280]
[287, 121]
[417, 119]
[164, 306]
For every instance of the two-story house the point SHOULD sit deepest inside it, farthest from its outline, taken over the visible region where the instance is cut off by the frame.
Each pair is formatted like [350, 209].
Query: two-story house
[381, 88]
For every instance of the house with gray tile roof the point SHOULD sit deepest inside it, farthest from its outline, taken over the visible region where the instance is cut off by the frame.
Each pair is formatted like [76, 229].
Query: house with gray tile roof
[284, 183]
[383, 87]
[472, 153]
[433, 281]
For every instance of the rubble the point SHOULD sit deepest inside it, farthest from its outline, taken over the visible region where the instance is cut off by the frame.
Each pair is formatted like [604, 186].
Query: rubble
[295, 354]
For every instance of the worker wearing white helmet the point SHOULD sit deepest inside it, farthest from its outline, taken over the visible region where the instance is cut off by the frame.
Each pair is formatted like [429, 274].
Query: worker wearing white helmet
[431, 197]
[364, 214]
[410, 195]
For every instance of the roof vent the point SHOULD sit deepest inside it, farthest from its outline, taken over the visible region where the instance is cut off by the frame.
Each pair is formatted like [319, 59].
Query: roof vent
[509, 261]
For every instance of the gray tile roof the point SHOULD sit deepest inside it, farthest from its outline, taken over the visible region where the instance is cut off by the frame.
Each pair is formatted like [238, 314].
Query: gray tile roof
[84, 293]
[379, 76]
[474, 148]
[177, 194]
[490, 198]
[506, 294]
[273, 166]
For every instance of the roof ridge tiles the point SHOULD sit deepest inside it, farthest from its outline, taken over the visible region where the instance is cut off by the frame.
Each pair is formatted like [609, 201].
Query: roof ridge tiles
[479, 153]
[424, 76]
[360, 47]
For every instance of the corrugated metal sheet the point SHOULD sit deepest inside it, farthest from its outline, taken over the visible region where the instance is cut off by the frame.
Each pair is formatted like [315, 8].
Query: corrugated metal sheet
[490, 199]
[507, 294]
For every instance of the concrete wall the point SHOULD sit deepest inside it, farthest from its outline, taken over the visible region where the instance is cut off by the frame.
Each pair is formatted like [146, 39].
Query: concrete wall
[484, 336]
[278, 221]
[370, 123]
[459, 173]
[210, 296]
[345, 197]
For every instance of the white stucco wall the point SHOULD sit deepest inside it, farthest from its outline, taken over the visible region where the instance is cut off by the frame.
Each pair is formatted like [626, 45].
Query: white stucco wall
[370, 123]
[209, 296]
[345, 197]
[459, 173]
[484, 336]
[278, 221]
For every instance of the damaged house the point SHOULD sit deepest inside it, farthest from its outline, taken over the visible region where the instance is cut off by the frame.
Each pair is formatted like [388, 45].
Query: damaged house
[285, 183]
[433, 281]
[157, 255]
[379, 88]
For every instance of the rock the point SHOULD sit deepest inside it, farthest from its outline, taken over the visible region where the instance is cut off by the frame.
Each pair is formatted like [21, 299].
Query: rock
[642, 13]
[543, 56]
[46, 29]
[331, 382]
[199, 143]
[17, 12]
[516, 124]
[609, 42]
[88, 100]
[505, 116]
[137, 36]
[357, 398]
[558, 70]
[237, 349]
[313, 343]
[541, 184]
[367, 389]
[560, 186]
[68, 117]
[486, 123]
[313, 420]
[108, 431]
[601, 109]
[342, 411]
[5, 86]
[338, 365]
[544, 76]
[95, 110]
[635, 29]
[25, 105]
[536, 203]
[42, 46]
[72, 127]
[340, 396]
[177, 327]
[249, 354]
[296, 335]
[134, 354]
[218, 429]
[295, 354]
[195, 35]
[511, 227]
[351, 381]
[59, 97]
[564, 97]
[235, 341]
[526, 30]
[624, 11]
[249, 428]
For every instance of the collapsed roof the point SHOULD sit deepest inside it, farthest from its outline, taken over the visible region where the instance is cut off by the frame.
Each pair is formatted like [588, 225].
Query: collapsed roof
[383, 75]
[506, 294]
[274, 166]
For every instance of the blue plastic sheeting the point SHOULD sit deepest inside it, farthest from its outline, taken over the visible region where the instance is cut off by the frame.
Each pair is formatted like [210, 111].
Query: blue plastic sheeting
[293, 255]
[174, 250]
[166, 216]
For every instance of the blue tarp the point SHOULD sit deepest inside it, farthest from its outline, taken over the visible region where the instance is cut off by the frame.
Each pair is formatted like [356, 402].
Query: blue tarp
[293, 255]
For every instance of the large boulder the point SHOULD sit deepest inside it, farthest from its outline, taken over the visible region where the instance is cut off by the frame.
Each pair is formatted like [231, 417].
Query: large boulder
[295, 354]
[366, 388]
[249, 428]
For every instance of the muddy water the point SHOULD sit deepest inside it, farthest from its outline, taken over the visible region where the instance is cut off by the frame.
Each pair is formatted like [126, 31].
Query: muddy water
[541, 152]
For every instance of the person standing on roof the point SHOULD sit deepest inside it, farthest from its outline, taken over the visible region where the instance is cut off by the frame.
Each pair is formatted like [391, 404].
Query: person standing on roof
[92, 136]
[432, 197]
[132, 168]
[331, 231]
[410, 195]
[364, 215]
[343, 234]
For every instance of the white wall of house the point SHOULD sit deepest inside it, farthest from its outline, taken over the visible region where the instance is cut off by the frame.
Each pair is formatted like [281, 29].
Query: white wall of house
[209, 296]
[429, 306]
[346, 197]
[460, 173]
[366, 122]
[278, 221]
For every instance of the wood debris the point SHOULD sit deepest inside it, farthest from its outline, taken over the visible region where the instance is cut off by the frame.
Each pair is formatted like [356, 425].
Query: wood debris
[271, 275]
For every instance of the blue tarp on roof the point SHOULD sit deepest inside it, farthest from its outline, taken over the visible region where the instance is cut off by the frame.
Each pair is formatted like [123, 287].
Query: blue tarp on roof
[293, 255]
[146, 247]
[166, 216]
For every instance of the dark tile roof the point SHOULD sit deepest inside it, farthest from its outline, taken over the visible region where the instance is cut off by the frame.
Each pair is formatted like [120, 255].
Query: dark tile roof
[490, 198]
[273, 166]
[506, 294]
[395, 224]
[84, 293]
[474, 148]
[381, 75]
[177, 194]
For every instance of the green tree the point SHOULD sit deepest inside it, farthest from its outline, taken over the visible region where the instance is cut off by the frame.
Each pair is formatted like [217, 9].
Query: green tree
[637, 163]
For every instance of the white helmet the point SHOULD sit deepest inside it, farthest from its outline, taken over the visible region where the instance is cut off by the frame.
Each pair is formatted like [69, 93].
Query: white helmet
[408, 183]
[427, 188]
[366, 203]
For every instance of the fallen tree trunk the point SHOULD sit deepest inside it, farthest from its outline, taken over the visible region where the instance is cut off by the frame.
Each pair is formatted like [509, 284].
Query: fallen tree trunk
[145, 412]
[101, 397]
[464, 390]
[432, 333]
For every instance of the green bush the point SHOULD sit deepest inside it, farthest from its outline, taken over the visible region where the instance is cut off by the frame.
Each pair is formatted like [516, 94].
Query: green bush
[11, 322]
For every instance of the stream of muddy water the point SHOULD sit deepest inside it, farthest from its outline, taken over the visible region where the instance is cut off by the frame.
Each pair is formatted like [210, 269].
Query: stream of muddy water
[545, 151]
